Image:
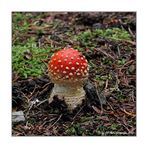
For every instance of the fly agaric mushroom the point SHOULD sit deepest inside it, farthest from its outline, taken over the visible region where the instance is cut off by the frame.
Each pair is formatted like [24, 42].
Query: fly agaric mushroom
[68, 70]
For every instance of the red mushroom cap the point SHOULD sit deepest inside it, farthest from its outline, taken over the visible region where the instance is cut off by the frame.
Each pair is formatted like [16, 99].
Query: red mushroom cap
[68, 65]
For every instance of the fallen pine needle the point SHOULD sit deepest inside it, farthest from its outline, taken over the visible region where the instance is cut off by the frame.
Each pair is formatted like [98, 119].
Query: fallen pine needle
[128, 113]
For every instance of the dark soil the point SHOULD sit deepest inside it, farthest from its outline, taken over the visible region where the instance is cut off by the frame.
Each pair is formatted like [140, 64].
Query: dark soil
[110, 106]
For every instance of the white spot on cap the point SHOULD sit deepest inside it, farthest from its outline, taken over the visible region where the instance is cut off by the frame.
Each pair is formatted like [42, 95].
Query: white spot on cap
[58, 70]
[72, 68]
[70, 62]
[72, 58]
[59, 61]
[67, 56]
[54, 59]
[57, 54]
[67, 67]
[78, 58]
[82, 67]
[51, 65]
[70, 73]
[67, 77]
[64, 72]
[65, 60]
[55, 67]
[82, 58]
[85, 71]
[54, 73]
[61, 66]
[78, 74]
[77, 63]
[81, 70]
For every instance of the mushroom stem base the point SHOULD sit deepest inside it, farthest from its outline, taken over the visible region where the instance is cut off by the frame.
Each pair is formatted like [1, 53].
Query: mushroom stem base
[72, 94]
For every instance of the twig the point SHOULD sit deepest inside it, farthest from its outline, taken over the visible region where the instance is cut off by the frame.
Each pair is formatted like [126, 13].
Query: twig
[131, 42]
[130, 31]
[32, 92]
[45, 122]
[119, 53]
[127, 63]
[17, 77]
[46, 84]
[45, 63]
[42, 102]
[108, 55]
[97, 110]
[99, 98]
[43, 54]
[77, 114]
[110, 106]
[55, 121]
[128, 113]
[25, 97]
[106, 84]
[29, 109]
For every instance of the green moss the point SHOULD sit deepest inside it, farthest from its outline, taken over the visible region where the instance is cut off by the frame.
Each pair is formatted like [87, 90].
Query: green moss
[106, 60]
[20, 22]
[121, 61]
[114, 34]
[27, 60]
[104, 77]
[88, 38]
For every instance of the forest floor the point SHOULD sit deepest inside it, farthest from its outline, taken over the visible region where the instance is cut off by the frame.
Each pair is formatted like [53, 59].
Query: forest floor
[108, 40]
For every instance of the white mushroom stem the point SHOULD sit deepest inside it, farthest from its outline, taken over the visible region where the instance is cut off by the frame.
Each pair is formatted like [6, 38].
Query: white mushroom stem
[73, 94]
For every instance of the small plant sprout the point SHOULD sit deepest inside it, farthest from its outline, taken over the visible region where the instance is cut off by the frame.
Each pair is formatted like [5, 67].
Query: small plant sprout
[68, 70]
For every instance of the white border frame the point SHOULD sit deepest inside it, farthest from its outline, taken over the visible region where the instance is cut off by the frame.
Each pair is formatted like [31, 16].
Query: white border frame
[6, 7]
